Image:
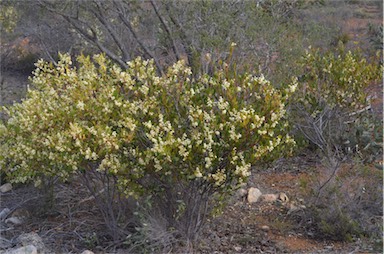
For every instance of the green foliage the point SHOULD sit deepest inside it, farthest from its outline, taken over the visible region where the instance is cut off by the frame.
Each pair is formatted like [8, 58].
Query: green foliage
[8, 17]
[342, 38]
[91, 240]
[364, 137]
[336, 79]
[339, 227]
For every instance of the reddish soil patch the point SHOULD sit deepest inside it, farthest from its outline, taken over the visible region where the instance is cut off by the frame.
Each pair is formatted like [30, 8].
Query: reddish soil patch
[285, 182]
[297, 244]
[357, 26]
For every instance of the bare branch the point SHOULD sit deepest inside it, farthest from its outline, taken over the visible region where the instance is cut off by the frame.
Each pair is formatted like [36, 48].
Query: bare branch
[187, 44]
[122, 16]
[90, 34]
[98, 14]
[167, 30]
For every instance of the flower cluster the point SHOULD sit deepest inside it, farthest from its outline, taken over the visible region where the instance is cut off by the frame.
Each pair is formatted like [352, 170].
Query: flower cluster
[135, 124]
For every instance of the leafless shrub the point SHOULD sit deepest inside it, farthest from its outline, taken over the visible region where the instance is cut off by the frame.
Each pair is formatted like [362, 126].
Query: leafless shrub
[345, 201]
[172, 220]
[349, 205]
[115, 208]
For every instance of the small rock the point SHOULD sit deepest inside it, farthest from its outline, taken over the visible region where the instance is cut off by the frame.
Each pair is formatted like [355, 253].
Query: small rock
[242, 193]
[265, 228]
[32, 239]
[253, 195]
[14, 220]
[4, 213]
[29, 249]
[21, 214]
[87, 252]
[237, 248]
[283, 197]
[268, 198]
[5, 187]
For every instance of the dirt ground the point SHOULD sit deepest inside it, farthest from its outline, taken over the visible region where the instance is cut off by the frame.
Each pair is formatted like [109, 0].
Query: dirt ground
[270, 227]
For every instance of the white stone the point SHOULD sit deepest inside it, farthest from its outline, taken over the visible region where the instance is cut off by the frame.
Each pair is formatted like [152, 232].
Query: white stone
[237, 248]
[283, 197]
[5, 187]
[14, 220]
[253, 195]
[87, 252]
[4, 213]
[265, 227]
[270, 198]
[29, 249]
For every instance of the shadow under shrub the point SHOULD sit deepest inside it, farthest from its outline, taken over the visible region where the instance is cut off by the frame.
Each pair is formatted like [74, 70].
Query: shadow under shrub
[183, 144]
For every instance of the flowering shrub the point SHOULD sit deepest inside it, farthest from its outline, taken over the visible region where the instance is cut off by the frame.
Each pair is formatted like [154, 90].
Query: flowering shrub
[153, 133]
[337, 79]
[332, 96]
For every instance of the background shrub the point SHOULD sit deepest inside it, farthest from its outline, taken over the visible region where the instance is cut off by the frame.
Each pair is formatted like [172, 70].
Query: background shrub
[331, 111]
[332, 96]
